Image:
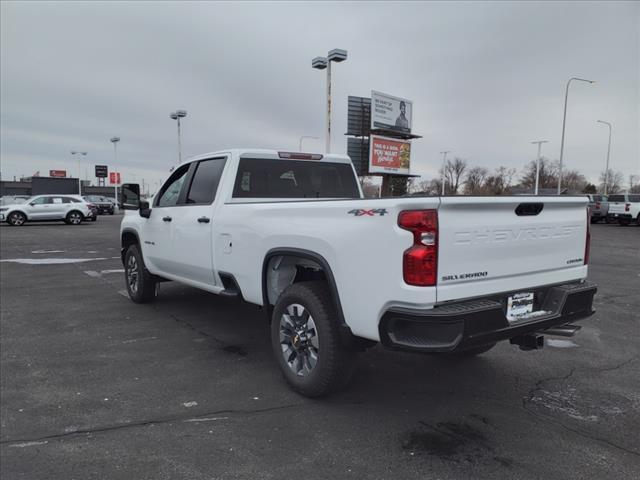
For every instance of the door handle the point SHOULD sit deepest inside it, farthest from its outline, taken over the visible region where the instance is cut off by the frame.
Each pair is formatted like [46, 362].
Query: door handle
[166, 219]
[204, 220]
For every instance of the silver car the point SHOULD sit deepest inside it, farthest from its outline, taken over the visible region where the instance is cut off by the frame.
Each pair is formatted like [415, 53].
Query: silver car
[71, 209]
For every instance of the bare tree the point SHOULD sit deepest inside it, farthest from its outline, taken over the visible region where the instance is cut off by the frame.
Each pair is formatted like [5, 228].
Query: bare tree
[573, 181]
[474, 180]
[634, 183]
[499, 183]
[614, 181]
[548, 177]
[453, 172]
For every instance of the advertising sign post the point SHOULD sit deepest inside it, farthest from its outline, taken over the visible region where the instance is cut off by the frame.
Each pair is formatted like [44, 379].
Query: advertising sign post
[58, 173]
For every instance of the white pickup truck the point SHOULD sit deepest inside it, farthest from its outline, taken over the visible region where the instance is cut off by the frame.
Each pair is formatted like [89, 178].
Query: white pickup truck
[338, 273]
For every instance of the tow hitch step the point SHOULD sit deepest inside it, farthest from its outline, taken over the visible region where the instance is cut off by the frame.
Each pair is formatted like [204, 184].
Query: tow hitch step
[562, 330]
[530, 341]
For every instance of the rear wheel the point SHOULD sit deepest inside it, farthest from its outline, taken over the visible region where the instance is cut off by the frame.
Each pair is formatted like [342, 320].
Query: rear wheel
[306, 341]
[74, 218]
[141, 285]
[16, 219]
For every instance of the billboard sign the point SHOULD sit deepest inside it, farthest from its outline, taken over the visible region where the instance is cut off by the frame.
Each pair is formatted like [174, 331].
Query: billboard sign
[57, 173]
[114, 178]
[389, 155]
[390, 113]
[101, 171]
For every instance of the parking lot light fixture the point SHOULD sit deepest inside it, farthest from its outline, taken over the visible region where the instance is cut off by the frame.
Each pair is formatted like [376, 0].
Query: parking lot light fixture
[539, 142]
[177, 115]
[320, 63]
[564, 121]
[444, 166]
[606, 171]
[80, 154]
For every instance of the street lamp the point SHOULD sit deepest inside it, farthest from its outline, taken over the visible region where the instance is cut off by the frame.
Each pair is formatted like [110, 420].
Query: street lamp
[606, 171]
[539, 142]
[115, 141]
[320, 63]
[73, 152]
[444, 163]
[303, 137]
[564, 121]
[177, 115]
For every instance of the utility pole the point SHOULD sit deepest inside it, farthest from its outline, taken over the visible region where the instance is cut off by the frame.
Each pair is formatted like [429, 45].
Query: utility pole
[606, 171]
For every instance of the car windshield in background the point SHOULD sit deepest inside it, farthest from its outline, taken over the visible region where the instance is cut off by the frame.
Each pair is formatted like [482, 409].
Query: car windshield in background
[616, 198]
[268, 178]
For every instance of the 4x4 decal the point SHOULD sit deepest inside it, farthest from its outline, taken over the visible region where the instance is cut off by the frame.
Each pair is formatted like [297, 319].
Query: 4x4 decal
[360, 212]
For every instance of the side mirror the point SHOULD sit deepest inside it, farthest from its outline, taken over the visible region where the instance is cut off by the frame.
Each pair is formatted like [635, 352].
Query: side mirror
[130, 196]
[145, 211]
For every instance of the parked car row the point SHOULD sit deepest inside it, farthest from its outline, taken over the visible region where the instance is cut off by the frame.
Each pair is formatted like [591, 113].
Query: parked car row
[72, 209]
[622, 208]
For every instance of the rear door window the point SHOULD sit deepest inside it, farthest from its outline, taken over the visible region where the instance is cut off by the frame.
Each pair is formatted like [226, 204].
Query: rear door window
[205, 181]
[269, 178]
[634, 198]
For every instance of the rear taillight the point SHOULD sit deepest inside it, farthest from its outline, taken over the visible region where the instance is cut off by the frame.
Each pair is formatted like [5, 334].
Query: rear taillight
[627, 206]
[420, 262]
[587, 245]
[597, 205]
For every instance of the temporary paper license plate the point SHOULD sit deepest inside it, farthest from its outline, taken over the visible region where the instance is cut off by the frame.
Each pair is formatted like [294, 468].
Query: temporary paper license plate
[518, 305]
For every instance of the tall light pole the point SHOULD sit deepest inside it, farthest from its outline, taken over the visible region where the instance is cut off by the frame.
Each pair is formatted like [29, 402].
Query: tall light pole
[320, 63]
[74, 153]
[302, 138]
[115, 141]
[564, 121]
[539, 142]
[606, 171]
[444, 164]
[177, 115]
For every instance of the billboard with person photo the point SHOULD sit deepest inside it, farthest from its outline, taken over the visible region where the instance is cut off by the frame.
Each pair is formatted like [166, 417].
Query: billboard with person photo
[390, 113]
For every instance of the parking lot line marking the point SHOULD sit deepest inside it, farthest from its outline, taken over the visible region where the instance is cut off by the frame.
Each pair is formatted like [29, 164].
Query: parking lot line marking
[198, 420]
[133, 340]
[50, 261]
[27, 444]
[49, 251]
[95, 274]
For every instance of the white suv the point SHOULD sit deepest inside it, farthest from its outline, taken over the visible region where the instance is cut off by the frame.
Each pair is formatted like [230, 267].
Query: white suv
[625, 208]
[69, 208]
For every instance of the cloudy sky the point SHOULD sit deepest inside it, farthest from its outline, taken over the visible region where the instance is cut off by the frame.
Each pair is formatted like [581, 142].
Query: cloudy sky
[486, 78]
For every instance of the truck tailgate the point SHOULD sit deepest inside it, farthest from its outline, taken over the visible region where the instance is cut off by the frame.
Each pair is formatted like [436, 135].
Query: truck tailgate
[500, 244]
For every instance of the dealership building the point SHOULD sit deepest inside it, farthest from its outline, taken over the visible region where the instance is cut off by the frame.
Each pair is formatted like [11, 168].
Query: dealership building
[43, 185]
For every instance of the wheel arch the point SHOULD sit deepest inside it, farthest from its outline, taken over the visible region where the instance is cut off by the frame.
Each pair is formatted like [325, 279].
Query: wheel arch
[128, 237]
[16, 210]
[303, 255]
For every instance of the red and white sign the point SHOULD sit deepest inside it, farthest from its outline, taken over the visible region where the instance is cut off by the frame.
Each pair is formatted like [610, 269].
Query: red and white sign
[389, 155]
[58, 173]
[114, 178]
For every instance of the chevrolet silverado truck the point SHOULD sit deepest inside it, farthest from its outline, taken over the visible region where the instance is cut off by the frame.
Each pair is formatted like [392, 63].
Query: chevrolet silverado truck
[338, 273]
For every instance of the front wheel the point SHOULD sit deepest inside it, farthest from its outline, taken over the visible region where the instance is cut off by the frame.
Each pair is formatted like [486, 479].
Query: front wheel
[16, 219]
[306, 341]
[74, 218]
[141, 285]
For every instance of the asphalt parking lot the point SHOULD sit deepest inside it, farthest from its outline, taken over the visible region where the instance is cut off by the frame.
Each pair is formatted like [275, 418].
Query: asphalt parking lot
[94, 386]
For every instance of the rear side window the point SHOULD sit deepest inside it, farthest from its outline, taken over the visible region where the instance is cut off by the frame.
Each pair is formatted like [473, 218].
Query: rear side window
[634, 198]
[268, 178]
[205, 181]
[616, 198]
